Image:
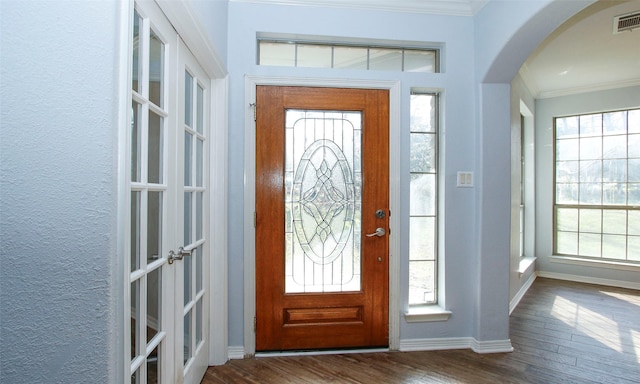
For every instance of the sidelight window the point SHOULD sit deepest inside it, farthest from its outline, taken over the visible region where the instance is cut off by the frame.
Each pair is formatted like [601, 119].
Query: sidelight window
[423, 212]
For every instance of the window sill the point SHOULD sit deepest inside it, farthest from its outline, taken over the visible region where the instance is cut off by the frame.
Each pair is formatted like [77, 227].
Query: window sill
[610, 264]
[426, 313]
[525, 263]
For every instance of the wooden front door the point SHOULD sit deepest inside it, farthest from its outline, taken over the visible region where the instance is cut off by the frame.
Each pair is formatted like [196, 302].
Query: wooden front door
[322, 218]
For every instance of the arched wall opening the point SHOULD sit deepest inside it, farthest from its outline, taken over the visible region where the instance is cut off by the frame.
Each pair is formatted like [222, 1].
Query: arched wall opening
[506, 33]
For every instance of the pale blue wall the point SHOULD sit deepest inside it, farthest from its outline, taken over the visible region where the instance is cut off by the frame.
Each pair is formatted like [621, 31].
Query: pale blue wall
[489, 47]
[458, 134]
[214, 14]
[546, 110]
[57, 192]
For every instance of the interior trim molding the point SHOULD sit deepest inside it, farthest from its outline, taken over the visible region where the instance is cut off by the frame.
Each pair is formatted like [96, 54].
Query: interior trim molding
[394, 87]
[236, 352]
[448, 343]
[523, 290]
[437, 7]
[589, 280]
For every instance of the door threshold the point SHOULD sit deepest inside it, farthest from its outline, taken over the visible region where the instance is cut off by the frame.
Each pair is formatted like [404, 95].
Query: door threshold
[319, 352]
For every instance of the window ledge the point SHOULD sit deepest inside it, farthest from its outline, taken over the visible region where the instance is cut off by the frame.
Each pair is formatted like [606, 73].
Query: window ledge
[610, 264]
[426, 313]
[525, 263]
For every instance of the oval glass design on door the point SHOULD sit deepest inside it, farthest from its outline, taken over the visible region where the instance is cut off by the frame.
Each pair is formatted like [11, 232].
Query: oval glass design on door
[323, 181]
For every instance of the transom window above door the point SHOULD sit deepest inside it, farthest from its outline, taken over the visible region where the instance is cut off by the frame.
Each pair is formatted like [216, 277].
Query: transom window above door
[327, 52]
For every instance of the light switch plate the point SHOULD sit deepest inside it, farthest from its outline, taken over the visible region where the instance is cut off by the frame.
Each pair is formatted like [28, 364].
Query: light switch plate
[464, 179]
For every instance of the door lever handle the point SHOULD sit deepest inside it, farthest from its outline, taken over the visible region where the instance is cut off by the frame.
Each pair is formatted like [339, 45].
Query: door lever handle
[182, 252]
[379, 232]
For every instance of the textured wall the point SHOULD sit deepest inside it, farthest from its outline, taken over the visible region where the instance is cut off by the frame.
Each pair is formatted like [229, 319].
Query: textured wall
[57, 183]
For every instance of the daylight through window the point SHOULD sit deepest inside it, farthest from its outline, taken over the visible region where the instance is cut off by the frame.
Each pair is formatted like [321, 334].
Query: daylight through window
[597, 185]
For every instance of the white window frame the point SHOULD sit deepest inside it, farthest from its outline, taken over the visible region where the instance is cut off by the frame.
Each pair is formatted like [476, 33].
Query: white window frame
[433, 311]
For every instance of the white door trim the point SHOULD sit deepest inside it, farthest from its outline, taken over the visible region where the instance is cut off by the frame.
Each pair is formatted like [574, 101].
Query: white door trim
[250, 194]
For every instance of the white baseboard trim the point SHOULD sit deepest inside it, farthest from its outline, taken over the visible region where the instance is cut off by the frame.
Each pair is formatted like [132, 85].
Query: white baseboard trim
[589, 280]
[525, 287]
[235, 352]
[492, 346]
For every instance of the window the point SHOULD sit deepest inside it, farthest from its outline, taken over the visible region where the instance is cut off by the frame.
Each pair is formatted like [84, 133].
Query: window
[318, 54]
[597, 186]
[423, 219]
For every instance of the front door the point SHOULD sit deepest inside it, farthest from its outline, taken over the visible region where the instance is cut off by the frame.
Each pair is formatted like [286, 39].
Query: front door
[322, 215]
[168, 248]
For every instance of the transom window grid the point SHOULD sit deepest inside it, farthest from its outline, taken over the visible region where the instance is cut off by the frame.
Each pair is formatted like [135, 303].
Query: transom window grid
[597, 186]
[347, 56]
[423, 216]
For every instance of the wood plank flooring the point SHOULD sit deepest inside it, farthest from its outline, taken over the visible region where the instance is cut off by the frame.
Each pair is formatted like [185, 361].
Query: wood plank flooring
[562, 332]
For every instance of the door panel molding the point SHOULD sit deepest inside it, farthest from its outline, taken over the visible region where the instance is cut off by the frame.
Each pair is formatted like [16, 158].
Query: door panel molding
[250, 194]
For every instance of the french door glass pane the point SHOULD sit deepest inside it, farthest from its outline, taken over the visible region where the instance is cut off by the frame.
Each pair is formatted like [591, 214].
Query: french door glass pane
[198, 258]
[323, 180]
[155, 147]
[187, 218]
[199, 161]
[136, 377]
[156, 69]
[154, 226]
[136, 141]
[188, 99]
[153, 367]
[187, 278]
[188, 350]
[199, 196]
[135, 230]
[135, 317]
[200, 110]
[188, 144]
[135, 78]
[198, 322]
[154, 302]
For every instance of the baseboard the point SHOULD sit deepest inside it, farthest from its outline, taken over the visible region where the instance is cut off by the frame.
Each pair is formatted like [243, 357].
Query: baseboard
[589, 280]
[525, 287]
[236, 352]
[493, 346]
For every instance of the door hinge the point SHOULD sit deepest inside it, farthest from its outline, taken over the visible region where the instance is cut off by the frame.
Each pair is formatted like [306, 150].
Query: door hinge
[255, 324]
[255, 107]
[255, 219]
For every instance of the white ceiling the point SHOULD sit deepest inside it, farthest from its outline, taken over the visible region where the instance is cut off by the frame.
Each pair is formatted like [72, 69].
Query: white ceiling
[581, 55]
[585, 55]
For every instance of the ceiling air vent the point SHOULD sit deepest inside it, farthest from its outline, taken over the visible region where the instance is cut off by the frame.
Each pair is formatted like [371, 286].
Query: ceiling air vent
[626, 22]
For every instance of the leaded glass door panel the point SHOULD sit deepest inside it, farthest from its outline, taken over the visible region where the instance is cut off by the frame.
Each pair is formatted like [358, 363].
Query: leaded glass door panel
[322, 175]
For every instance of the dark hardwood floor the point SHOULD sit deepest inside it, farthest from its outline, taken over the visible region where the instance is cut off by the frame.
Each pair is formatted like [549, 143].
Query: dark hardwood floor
[562, 332]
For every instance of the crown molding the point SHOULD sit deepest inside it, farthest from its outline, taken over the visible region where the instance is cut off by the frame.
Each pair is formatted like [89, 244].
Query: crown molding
[439, 7]
[588, 88]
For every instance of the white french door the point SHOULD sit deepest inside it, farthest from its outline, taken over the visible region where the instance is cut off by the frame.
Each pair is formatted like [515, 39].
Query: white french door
[168, 253]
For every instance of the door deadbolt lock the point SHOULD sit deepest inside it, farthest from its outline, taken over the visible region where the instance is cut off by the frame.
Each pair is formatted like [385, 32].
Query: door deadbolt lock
[381, 214]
